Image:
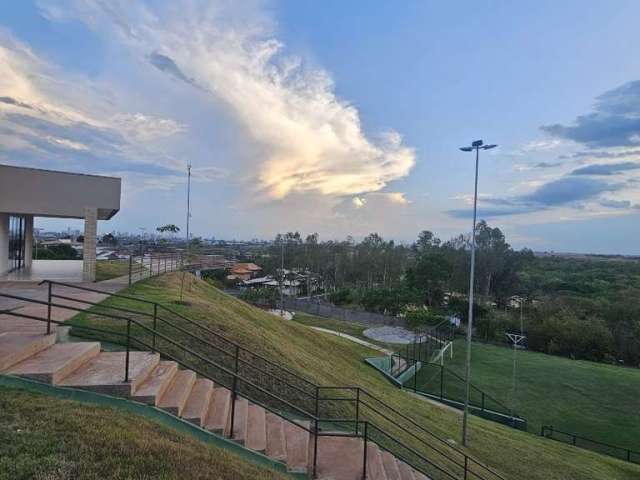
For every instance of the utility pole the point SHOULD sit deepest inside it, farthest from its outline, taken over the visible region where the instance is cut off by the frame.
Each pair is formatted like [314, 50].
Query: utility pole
[282, 279]
[476, 145]
[515, 339]
[188, 202]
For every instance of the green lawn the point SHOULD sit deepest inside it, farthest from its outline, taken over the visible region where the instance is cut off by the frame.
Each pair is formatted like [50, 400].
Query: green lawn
[330, 360]
[45, 438]
[594, 400]
[108, 269]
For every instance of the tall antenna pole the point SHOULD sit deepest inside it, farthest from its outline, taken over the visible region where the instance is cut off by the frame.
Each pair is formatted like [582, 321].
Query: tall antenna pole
[188, 201]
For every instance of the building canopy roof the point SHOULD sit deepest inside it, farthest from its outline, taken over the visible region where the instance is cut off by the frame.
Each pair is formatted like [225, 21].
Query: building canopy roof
[48, 193]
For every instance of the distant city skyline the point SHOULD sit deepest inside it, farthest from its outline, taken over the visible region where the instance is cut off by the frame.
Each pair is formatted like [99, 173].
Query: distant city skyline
[341, 118]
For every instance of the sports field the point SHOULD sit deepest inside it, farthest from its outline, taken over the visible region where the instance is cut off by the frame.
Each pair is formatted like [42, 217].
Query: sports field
[591, 399]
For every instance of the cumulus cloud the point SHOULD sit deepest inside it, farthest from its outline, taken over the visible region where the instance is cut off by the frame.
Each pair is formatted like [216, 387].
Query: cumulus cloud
[614, 122]
[54, 120]
[606, 168]
[308, 140]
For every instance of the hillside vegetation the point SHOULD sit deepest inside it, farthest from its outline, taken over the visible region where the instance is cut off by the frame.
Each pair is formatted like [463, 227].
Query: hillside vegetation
[331, 360]
[45, 438]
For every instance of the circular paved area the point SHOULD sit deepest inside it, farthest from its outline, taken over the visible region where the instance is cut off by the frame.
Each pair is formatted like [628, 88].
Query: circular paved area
[390, 334]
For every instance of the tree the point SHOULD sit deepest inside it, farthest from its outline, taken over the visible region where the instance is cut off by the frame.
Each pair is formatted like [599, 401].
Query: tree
[169, 227]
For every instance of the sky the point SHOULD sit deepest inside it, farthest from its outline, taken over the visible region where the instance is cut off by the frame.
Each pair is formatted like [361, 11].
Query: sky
[342, 118]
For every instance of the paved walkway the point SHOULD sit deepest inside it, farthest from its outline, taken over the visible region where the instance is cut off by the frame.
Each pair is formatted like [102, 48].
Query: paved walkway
[11, 323]
[354, 339]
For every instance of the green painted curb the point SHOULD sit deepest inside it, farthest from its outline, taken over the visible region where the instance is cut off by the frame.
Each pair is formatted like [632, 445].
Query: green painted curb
[152, 413]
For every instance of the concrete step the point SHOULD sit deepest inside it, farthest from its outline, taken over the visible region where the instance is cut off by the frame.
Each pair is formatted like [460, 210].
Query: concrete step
[420, 476]
[105, 373]
[12, 324]
[151, 390]
[175, 397]
[375, 468]
[276, 446]
[17, 346]
[219, 408]
[56, 362]
[297, 442]
[240, 420]
[197, 406]
[406, 472]
[390, 466]
[256, 429]
[339, 458]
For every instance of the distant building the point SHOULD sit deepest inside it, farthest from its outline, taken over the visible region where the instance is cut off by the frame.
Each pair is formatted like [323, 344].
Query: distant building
[244, 271]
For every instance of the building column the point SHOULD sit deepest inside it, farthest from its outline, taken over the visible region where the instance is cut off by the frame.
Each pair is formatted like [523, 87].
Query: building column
[4, 243]
[28, 240]
[89, 248]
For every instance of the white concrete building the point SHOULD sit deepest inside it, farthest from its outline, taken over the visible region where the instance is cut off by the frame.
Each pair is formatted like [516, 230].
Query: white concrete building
[26, 193]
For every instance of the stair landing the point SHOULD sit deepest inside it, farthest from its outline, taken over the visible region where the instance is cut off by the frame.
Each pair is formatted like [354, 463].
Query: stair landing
[105, 373]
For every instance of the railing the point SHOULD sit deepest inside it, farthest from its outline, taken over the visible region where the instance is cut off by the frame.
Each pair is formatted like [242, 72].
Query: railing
[622, 453]
[154, 263]
[438, 382]
[320, 410]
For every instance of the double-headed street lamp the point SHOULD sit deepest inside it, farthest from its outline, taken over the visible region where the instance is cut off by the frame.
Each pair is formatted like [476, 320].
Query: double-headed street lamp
[477, 146]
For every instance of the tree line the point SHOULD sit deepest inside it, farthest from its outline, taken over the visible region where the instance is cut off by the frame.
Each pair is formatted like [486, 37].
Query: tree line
[565, 312]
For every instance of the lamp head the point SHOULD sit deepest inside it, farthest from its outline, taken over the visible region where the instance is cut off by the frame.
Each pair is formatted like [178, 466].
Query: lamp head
[466, 149]
[489, 147]
[477, 143]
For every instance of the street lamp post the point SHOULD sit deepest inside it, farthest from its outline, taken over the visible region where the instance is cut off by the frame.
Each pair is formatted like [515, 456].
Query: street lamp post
[476, 145]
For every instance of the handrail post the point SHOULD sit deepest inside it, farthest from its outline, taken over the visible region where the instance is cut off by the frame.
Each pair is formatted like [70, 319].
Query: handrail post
[316, 428]
[49, 311]
[364, 454]
[126, 361]
[130, 267]
[466, 466]
[441, 382]
[357, 411]
[155, 323]
[483, 401]
[234, 390]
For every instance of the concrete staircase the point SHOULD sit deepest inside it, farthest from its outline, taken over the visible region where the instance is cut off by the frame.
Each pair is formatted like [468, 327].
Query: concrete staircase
[198, 400]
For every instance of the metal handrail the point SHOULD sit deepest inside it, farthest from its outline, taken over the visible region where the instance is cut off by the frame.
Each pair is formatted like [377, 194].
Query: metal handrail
[309, 415]
[574, 437]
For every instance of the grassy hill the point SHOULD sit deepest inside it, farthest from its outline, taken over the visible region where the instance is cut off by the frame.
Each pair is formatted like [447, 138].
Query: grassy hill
[45, 438]
[593, 400]
[327, 359]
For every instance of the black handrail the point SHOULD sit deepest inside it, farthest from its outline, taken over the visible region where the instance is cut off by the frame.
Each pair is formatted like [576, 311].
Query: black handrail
[547, 431]
[311, 416]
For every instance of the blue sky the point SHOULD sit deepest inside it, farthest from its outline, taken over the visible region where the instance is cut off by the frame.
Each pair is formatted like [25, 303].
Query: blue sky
[337, 117]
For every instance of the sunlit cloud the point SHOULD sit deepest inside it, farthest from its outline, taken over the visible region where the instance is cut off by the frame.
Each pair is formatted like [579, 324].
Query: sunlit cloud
[308, 140]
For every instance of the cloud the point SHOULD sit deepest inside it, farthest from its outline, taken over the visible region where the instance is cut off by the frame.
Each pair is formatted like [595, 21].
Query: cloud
[547, 165]
[567, 190]
[305, 139]
[606, 168]
[615, 203]
[614, 122]
[50, 118]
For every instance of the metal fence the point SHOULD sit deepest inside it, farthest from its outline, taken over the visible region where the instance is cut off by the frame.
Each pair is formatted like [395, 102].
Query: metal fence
[154, 263]
[622, 453]
[344, 314]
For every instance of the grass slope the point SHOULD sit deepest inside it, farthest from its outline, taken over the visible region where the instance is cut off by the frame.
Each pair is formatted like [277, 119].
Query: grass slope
[108, 269]
[331, 360]
[45, 438]
[594, 400]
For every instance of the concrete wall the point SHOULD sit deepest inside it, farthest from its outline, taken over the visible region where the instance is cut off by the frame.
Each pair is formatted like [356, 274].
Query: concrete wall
[28, 241]
[47, 193]
[89, 248]
[4, 243]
